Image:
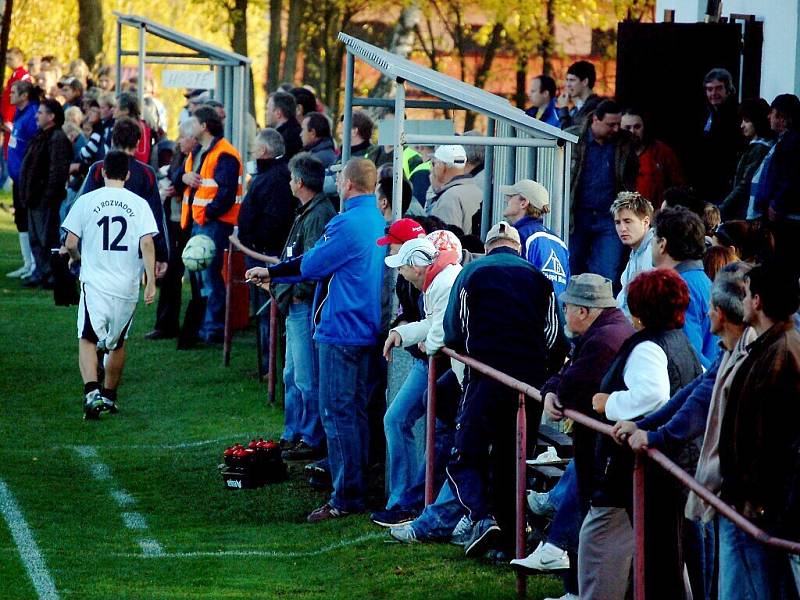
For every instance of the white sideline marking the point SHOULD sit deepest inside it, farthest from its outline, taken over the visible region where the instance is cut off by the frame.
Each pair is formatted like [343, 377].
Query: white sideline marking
[122, 497]
[100, 471]
[134, 520]
[151, 548]
[86, 451]
[262, 553]
[28, 550]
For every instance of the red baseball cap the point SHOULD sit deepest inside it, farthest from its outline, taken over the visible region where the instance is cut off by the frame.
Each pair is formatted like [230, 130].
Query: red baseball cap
[401, 231]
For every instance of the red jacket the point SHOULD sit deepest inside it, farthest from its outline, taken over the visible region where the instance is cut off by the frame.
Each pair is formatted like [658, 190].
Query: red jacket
[659, 169]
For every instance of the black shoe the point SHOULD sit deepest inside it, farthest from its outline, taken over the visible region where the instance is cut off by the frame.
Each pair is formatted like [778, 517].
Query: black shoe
[92, 405]
[110, 405]
[393, 518]
[157, 334]
[286, 444]
[302, 451]
[33, 281]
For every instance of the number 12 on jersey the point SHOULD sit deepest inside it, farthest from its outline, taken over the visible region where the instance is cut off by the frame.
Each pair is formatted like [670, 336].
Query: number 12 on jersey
[106, 223]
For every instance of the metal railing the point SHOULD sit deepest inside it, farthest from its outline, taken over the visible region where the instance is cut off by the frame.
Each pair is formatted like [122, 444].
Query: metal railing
[638, 472]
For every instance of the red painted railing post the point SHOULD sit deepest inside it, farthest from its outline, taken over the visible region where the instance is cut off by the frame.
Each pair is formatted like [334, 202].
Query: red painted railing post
[273, 350]
[638, 528]
[430, 431]
[228, 331]
[522, 444]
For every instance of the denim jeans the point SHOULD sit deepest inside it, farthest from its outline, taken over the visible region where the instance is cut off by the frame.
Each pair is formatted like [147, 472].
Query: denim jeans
[698, 554]
[213, 286]
[566, 526]
[594, 246]
[300, 376]
[258, 298]
[749, 570]
[343, 409]
[402, 456]
[439, 519]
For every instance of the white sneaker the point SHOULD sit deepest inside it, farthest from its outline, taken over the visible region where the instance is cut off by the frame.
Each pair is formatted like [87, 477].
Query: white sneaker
[16, 273]
[539, 504]
[565, 597]
[546, 557]
[461, 531]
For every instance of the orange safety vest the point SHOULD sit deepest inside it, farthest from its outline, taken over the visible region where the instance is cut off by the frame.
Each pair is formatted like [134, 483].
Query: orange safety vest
[208, 187]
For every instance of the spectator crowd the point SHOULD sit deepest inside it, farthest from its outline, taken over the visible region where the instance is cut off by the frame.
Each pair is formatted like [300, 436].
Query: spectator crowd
[670, 312]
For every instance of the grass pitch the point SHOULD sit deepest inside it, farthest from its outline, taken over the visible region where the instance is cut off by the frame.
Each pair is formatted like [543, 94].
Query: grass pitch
[133, 507]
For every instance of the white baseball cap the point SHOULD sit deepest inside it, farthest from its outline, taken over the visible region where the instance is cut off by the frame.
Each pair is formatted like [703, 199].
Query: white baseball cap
[419, 252]
[451, 155]
[533, 191]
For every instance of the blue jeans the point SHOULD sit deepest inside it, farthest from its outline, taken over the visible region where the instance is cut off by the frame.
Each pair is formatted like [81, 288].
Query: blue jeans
[213, 286]
[594, 246]
[439, 519]
[566, 526]
[300, 377]
[698, 554]
[402, 457]
[749, 570]
[343, 409]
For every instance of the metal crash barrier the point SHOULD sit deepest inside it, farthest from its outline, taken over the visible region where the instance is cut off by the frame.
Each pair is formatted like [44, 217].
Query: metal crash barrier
[638, 473]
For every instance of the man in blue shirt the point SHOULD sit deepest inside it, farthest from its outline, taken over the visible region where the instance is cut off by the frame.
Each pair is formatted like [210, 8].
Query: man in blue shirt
[347, 323]
[679, 243]
[604, 163]
[543, 100]
[526, 202]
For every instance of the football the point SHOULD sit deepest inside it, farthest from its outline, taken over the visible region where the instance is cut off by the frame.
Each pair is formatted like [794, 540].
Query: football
[199, 252]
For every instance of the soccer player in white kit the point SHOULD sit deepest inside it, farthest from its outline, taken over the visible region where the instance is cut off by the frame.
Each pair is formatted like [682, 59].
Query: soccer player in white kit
[111, 225]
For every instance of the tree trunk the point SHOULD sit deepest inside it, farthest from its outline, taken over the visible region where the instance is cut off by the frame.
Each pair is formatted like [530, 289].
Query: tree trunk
[274, 45]
[521, 94]
[293, 40]
[5, 32]
[90, 30]
[547, 47]
[238, 19]
[402, 43]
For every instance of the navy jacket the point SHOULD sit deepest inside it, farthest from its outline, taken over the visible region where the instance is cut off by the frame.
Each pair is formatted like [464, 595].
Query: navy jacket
[549, 116]
[267, 211]
[324, 150]
[290, 132]
[502, 311]
[24, 129]
[142, 182]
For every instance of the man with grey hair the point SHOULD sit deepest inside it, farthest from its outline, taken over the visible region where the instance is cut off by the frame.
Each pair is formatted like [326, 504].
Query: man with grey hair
[720, 141]
[453, 195]
[476, 156]
[698, 409]
[266, 213]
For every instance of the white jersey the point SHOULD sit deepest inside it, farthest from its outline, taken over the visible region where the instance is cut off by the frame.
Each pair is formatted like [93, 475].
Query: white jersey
[110, 222]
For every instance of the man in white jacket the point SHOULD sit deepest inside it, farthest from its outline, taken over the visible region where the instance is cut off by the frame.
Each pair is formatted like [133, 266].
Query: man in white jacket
[433, 272]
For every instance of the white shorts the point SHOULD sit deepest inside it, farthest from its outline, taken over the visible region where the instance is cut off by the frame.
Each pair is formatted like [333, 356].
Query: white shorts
[104, 319]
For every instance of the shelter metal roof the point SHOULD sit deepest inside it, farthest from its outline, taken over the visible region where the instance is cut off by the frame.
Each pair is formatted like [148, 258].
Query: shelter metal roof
[451, 89]
[171, 35]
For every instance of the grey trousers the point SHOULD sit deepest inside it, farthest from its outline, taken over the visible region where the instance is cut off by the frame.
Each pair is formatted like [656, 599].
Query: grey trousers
[605, 554]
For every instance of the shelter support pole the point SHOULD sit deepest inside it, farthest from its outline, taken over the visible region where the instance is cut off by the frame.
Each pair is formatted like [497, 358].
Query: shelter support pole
[397, 155]
[511, 141]
[347, 125]
[228, 332]
[119, 57]
[140, 86]
[488, 167]
[510, 175]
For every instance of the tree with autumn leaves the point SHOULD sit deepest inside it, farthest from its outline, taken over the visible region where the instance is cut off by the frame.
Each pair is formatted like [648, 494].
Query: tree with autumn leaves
[296, 40]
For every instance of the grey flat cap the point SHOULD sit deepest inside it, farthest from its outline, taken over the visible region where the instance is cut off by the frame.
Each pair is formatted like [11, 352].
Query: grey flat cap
[590, 290]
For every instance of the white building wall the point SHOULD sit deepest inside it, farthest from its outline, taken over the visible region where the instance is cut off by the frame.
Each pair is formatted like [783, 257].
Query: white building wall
[780, 66]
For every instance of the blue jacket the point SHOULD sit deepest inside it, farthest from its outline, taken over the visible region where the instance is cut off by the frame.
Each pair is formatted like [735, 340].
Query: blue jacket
[549, 116]
[25, 128]
[347, 306]
[683, 418]
[698, 324]
[545, 251]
